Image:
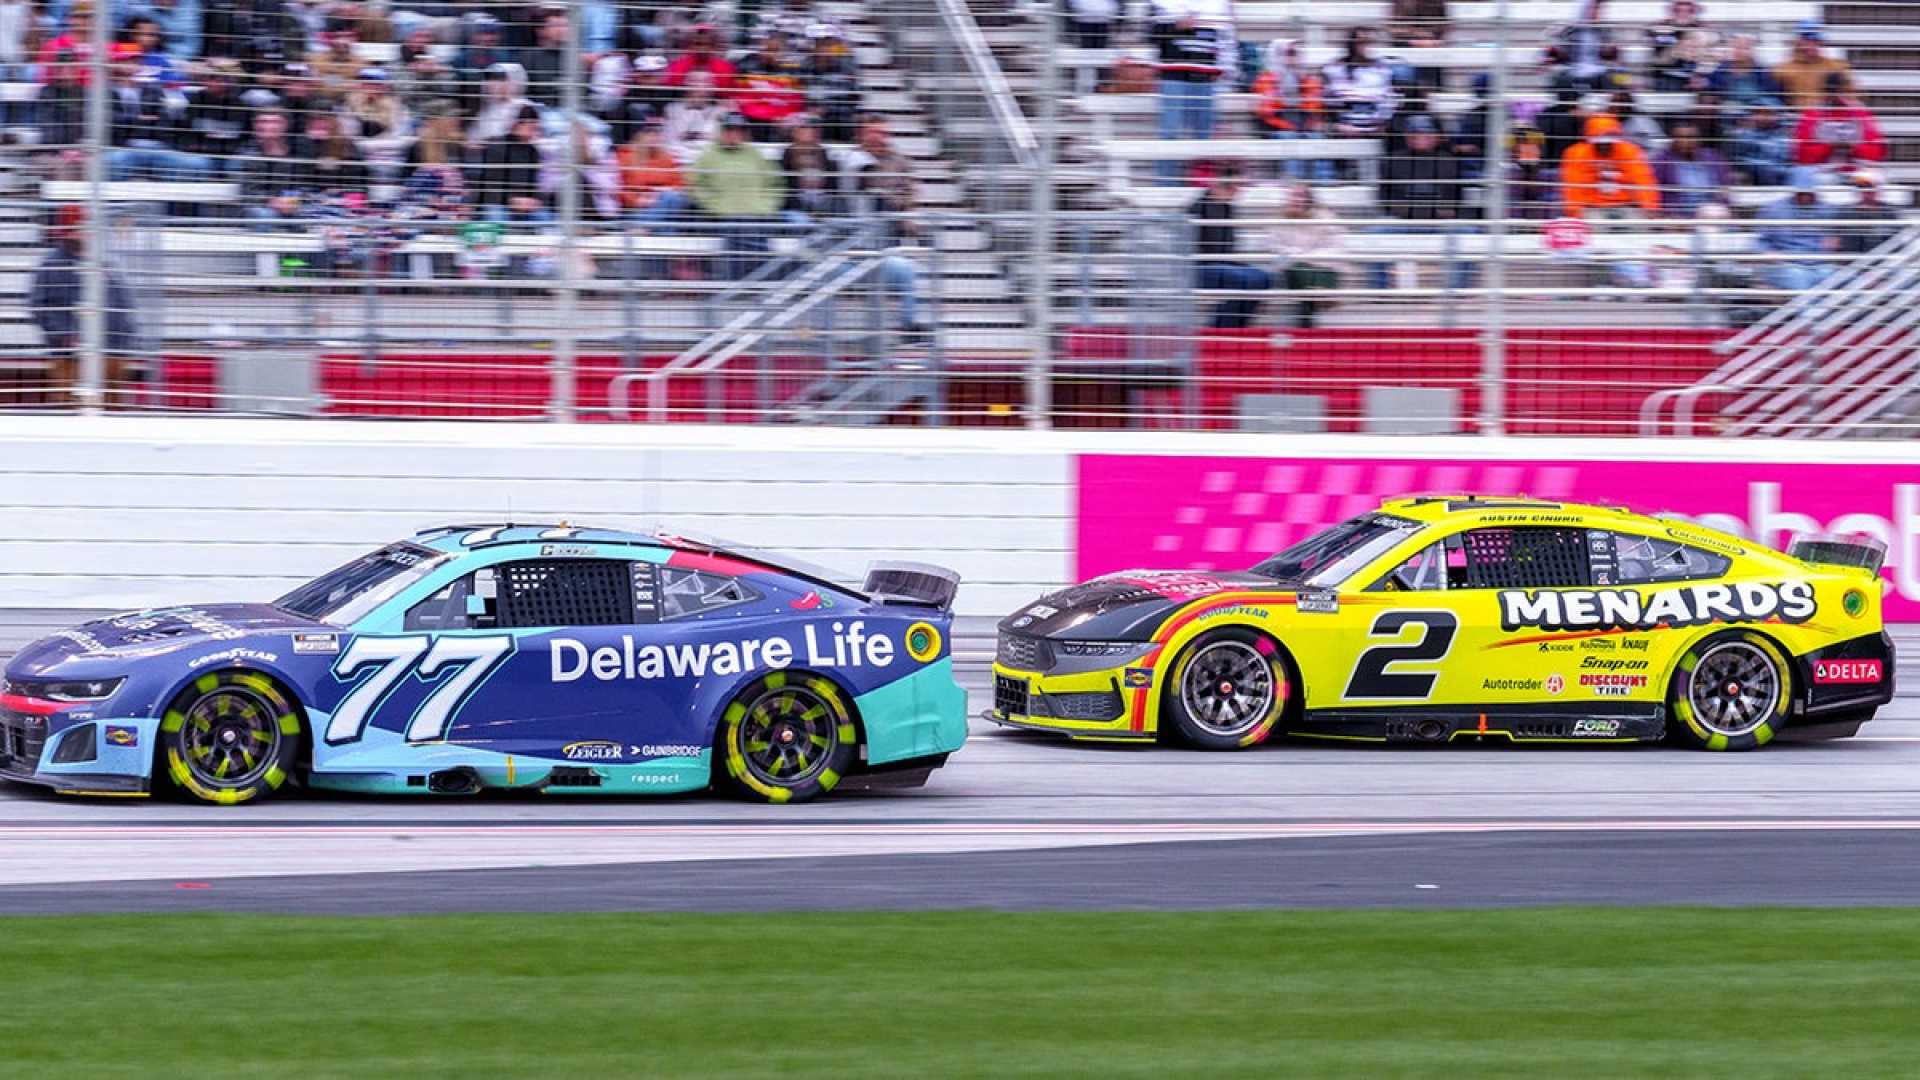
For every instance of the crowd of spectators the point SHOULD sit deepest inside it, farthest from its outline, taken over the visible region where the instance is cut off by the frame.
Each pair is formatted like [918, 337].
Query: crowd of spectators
[1746, 124]
[1591, 150]
[338, 112]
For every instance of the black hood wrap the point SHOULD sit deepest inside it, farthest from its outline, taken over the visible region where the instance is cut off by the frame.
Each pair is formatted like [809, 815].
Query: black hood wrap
[1127, 606]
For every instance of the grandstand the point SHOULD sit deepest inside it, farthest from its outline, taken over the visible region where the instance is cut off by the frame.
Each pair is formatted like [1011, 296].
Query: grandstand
[1039, 250]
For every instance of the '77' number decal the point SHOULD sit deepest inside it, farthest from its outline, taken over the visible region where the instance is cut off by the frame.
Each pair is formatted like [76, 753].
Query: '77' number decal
[1371, 677]
[391, 658]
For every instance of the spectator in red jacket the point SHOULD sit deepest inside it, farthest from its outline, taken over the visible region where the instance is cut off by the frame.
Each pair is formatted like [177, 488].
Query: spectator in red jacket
[770, 89]
[703, 54]
[1839, 130]
[64, 56]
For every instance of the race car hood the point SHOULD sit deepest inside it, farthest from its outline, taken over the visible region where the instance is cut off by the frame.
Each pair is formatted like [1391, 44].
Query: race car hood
[152, 633]
[1129, 605]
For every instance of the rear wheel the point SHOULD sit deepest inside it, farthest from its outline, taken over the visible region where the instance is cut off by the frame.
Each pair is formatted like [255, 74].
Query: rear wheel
[1732, 691]
[787, 738]
[231, 737]
[1227, 690]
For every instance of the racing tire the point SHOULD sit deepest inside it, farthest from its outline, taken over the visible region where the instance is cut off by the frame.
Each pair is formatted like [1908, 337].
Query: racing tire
[231, 737]
[1228, 690]
[1730, 691]
[786, 738]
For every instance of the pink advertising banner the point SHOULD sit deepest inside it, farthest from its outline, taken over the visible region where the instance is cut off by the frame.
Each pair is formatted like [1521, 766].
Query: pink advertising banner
[1215, 513]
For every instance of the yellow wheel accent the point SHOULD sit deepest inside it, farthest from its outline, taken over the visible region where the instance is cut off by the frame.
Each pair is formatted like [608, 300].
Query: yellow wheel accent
[923, 642]
[231, 737]
[1706, 659]
[787, 740]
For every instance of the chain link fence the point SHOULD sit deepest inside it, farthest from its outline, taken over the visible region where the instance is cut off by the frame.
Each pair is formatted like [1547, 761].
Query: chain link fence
[1406, 217]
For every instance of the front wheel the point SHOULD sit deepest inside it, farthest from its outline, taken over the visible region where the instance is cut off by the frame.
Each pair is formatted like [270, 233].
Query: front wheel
[231, 737]
[1227, 690]
[788, 738]
[1732, 691]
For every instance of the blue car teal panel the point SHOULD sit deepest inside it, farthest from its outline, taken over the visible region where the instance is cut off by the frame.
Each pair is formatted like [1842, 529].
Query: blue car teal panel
[477, 657]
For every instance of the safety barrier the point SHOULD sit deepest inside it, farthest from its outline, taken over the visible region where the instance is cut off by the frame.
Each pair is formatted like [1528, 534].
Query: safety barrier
[123, 512]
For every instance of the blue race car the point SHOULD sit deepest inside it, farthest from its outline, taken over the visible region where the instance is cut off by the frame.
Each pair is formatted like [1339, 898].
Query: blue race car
[471, 657]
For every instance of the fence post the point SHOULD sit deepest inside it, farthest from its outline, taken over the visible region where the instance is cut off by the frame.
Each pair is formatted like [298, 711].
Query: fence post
[1040, 366]
[629, 318]
[936, 349]
[1493, 336]
[93, 307]
[565, 338]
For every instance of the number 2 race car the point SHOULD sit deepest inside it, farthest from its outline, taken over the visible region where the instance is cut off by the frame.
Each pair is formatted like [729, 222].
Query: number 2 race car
[1444, 618]
[500, 656]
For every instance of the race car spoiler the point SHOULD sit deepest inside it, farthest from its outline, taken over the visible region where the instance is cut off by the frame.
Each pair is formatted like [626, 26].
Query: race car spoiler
[911, 583]
[1858, 551]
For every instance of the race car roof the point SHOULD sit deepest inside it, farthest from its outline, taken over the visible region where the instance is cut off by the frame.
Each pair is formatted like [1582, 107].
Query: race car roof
[473, 536]
[1435, 508]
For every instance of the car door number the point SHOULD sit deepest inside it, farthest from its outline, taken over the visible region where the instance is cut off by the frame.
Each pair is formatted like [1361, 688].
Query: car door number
[1372, 677]
[392, 658]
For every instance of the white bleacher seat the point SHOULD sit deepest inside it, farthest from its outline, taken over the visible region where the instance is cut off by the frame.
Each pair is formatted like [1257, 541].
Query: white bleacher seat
[1106, 109]
[1358, 200]
[377, 52]
[1121, 154]
[143, 191]
[1353, 200]
[266, 246]
[1256, 13]
[1246, 149]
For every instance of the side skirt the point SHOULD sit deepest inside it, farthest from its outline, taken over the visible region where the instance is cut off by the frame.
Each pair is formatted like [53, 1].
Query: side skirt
[1578, 722]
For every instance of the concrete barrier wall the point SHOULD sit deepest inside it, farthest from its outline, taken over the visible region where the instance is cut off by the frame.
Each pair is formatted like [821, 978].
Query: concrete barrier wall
[119, 513]
[127, 512]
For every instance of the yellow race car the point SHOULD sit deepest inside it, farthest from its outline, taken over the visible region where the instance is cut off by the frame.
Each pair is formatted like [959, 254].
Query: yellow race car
[1444, 618]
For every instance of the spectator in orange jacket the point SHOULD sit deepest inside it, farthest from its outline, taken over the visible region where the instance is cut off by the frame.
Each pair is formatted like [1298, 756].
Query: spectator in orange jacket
[1285, 90]
[1838, 130]
[651, 185]
[1605, 175]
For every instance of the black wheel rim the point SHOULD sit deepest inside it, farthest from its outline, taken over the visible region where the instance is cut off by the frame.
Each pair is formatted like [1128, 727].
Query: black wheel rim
[1735, 689]
[231, 737]
[788, 735]
[1228, 688]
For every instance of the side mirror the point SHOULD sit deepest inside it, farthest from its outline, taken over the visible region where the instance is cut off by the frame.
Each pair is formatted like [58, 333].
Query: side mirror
[476, 605]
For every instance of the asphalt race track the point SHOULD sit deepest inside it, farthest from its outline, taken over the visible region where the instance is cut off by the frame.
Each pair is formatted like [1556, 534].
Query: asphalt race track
[1025, 821]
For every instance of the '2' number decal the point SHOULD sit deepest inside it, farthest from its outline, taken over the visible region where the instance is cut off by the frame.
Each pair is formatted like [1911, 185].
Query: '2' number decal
[392, 658]
[1371, 679]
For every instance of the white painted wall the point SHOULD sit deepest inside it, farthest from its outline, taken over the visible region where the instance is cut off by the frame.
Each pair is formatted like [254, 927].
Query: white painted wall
[117, 512]
[131, 512]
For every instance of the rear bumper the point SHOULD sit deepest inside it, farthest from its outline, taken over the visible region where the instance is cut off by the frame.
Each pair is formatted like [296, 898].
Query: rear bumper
[1853, 676]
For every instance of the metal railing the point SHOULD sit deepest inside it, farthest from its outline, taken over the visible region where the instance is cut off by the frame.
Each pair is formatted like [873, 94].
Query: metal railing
[1042, 246]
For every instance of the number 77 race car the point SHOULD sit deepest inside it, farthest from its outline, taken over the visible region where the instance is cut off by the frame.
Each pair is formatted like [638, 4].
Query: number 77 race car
[555, 659]
[1438, 619]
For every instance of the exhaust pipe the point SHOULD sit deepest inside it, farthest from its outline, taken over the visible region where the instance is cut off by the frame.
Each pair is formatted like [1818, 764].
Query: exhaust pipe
[1430, 731]
[461, 781]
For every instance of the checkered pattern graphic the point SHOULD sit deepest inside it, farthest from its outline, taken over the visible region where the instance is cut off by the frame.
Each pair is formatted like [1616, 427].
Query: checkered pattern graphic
[1240, 512]
[1222, 513]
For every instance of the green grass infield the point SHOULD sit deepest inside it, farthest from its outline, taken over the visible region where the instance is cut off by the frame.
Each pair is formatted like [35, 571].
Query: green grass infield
[1557, 992]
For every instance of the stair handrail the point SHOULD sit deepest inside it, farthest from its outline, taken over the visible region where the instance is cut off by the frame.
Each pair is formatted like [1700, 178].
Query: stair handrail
[1001, 102]
[1785, 328]
[1771, 343]
[848, 262]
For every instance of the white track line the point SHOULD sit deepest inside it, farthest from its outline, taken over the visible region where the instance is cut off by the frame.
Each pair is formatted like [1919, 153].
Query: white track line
[60, 854]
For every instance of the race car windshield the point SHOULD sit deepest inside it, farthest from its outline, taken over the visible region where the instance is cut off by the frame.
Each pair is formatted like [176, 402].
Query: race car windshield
[1331, 556]
[344, 595]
